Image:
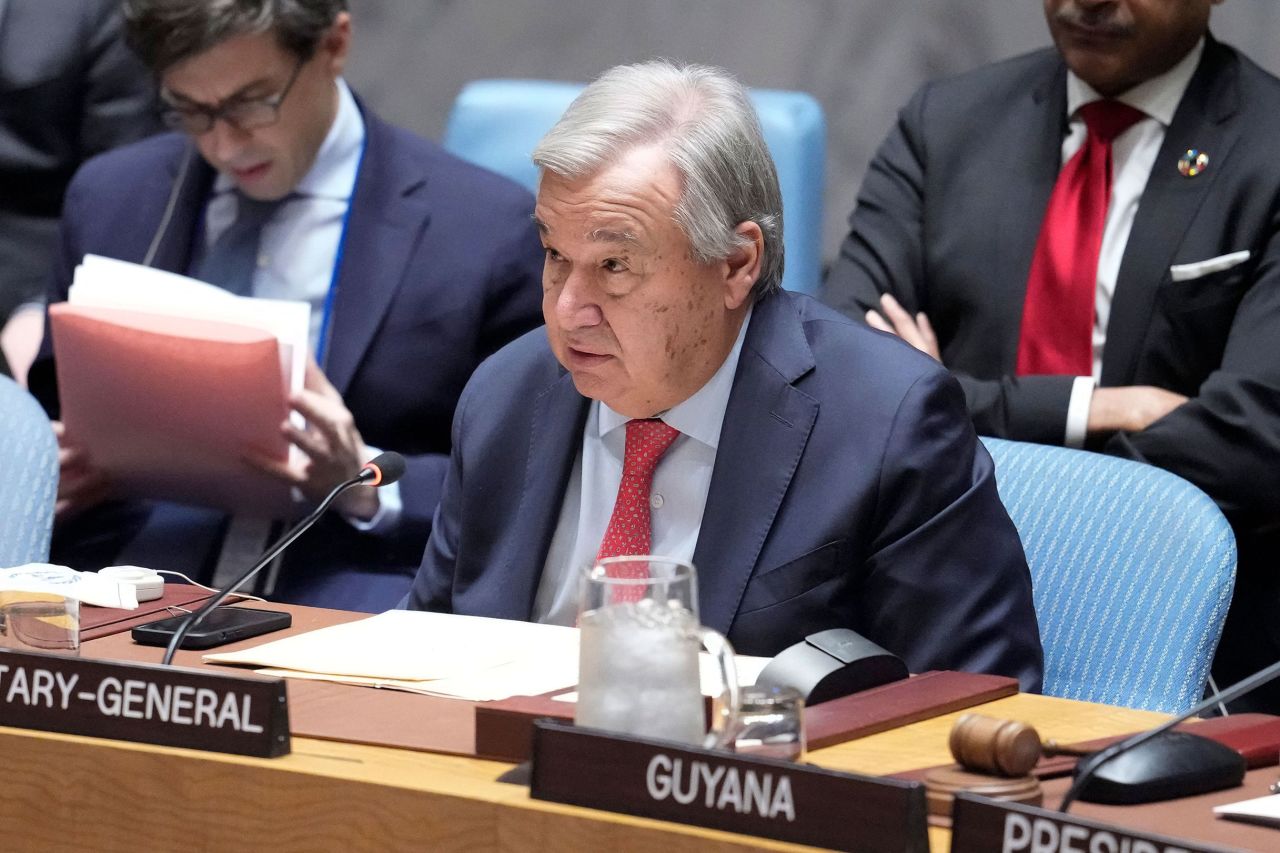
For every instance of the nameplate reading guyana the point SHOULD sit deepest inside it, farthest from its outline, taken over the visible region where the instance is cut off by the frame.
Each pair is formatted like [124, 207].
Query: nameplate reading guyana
[979, 825]
[720, 790]
[144, 703]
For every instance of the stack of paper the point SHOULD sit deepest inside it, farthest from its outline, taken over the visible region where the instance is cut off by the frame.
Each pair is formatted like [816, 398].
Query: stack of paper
[1263, 810]
[169, 383]
[467, 657]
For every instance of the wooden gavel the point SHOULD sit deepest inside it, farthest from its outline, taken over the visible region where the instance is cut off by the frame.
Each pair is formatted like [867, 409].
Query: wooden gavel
[1007, 748]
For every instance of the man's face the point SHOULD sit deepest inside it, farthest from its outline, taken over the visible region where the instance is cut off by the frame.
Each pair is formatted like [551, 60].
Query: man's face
[265, 163]
[1113, 45]
[634, 318]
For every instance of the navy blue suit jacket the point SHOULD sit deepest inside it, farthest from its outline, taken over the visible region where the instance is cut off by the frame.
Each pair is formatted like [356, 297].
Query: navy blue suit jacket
[849, 490]
[441, 267]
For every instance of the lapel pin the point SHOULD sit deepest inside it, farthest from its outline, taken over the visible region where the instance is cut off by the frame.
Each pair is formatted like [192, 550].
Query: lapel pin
[1192, 163]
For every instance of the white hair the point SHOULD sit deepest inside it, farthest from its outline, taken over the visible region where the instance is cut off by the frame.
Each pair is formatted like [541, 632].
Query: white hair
[703, 118]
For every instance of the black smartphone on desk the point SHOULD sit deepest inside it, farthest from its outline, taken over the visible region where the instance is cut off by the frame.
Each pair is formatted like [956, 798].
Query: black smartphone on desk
[223, 625]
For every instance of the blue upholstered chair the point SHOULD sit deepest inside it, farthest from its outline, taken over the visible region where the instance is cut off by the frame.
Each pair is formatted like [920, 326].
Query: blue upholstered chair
[1132, 569]
[28, 477]
[497, 123]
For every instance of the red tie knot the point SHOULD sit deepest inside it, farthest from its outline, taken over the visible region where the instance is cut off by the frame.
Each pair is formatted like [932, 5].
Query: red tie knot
[647, 440]
[1108, 119]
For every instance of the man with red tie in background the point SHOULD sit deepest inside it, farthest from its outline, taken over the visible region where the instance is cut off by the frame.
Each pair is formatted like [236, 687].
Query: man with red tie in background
[1086, 237]
[679, 402]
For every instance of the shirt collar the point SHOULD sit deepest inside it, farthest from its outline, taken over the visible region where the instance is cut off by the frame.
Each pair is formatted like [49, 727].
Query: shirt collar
[702, 415]
[333, 174]
[1157, 97]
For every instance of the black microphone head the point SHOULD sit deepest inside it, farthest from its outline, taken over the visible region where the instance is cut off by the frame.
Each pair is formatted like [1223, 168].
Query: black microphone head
[383, 469]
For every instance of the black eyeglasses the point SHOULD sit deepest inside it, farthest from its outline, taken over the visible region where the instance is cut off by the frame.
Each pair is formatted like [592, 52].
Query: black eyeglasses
[240, 113]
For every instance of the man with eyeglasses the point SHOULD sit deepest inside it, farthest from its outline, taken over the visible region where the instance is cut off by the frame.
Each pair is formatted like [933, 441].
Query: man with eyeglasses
[280, 183]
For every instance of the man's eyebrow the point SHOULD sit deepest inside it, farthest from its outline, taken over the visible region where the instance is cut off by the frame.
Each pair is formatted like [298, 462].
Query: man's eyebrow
[607, 235]
[601, 235]
[238, 94]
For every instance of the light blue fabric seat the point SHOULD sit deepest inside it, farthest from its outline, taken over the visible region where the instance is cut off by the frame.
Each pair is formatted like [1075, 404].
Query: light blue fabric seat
[497, 123]
[28, 477]
[1132, 568]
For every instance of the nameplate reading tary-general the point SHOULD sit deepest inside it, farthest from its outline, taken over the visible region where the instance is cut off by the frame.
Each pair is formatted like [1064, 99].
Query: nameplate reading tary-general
[145, 703]
[979, 825]
[720, 790]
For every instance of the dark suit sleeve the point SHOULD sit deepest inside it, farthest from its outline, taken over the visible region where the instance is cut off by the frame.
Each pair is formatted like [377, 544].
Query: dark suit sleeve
[885, 252]
[119, 96]
[947, 582]
[42, 380]
[433, 586]
[1226, 438]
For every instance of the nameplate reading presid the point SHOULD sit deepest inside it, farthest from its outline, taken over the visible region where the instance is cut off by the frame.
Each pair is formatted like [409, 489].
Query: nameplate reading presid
[979, 825]
[145, 703]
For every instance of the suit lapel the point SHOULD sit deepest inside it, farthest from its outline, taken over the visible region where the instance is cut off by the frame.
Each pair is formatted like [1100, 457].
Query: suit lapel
[177, 243]
[558, 413]
[1169, 203]
[765, 410]
[1032, 157]
[387, 218]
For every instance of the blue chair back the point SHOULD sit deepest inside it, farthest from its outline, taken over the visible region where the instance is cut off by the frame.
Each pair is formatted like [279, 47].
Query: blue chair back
[497, 123]
[28, 477]
[1132, 570]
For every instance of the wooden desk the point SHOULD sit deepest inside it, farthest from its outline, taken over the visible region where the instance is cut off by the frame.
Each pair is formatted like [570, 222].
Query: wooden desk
[71, 793]
[66, 792]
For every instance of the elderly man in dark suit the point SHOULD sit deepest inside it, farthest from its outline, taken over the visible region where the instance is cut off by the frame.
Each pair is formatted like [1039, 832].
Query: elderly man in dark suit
[678, 402]
[1087, 237]
[282, 183]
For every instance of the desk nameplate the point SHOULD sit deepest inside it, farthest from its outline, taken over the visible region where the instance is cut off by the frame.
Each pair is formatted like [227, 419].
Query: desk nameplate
[755, 796]
[979, 825]
[145, 703]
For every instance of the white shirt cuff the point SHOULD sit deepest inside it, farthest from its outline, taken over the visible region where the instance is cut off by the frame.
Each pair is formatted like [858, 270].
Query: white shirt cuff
[387, 518]
[1078, 411]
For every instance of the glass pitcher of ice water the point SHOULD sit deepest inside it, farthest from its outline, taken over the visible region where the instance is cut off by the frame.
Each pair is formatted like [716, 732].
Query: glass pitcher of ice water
[638, 660]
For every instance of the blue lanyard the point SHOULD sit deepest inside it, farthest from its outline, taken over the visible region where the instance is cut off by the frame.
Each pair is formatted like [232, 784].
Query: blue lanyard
[322, 339]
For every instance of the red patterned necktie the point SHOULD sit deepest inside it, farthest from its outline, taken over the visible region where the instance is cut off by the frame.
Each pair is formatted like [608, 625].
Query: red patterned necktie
[628, 532]
[1057, 316]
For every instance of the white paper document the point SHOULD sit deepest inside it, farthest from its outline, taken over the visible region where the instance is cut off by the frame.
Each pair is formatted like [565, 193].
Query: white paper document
[466, 657]
[441, 654]
[1263, 810]
[170, 384]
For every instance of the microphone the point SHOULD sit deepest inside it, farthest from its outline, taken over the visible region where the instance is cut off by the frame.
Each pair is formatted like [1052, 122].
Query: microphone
[1176, 765]
[385, 469]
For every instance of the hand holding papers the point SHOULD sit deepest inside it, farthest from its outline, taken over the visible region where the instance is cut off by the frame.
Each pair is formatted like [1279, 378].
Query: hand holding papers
[167, 384]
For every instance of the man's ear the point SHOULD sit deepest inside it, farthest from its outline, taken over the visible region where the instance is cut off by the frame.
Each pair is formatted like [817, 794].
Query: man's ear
[336, 43]
[742, 267]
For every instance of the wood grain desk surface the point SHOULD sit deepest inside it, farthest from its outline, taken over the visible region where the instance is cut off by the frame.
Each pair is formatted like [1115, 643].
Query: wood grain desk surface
[62, 792]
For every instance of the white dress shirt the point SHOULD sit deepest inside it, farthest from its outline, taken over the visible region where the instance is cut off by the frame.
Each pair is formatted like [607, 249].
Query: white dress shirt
[299, 245]
[677, 499]
[1133, 154]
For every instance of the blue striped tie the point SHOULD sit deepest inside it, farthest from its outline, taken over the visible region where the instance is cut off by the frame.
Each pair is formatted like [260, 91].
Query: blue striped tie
[231, 261]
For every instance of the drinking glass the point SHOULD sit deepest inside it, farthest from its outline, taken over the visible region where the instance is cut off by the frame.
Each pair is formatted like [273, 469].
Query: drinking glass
[638, 658]
[38, 621]
[771, 723]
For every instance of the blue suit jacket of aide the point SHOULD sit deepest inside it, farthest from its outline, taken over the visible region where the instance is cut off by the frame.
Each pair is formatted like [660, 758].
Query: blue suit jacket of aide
[441, 267]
